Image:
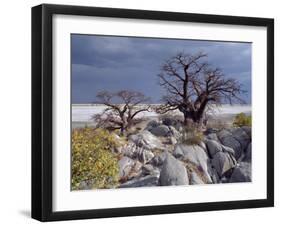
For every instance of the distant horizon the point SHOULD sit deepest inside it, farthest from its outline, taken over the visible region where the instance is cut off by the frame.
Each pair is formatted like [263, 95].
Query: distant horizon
[114, 63]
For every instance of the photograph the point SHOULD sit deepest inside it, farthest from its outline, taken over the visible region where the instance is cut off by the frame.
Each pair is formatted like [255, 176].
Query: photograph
[159, 112]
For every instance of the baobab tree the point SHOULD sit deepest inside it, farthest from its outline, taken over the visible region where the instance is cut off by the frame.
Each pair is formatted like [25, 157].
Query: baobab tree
[192, 85]
[122, 108]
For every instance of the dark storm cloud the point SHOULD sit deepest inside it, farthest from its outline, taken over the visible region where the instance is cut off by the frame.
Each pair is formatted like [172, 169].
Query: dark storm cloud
[115, 63]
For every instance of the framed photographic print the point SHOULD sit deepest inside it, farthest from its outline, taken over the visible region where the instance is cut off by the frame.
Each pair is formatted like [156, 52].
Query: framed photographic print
[145, 112]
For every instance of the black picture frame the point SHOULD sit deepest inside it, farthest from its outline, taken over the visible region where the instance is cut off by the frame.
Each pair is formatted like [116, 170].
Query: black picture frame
[42, 197]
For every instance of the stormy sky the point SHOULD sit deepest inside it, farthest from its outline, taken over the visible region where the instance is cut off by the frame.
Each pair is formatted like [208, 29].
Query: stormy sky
[117, 63]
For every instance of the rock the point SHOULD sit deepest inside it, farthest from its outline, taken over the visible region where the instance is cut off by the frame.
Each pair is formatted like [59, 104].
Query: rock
[228, 150]
[147, 181]
[211, 130]
[174, 133]
[213, 147]
[144, 155]
[214, 175]
[160, 131]
[196, 155]
[173, 140]
[228, 140]
[203, 145]
[248, 154]
[212, 136]
[135, 171]
[172, 122]
[152, 124]
[131, 150]
[146, 140]
[248, 130]
[158, 160]
[173, 172]
[223, 133]
[195, 179]
[223, 162]
[148, 169]
[224, 180]
[241, 136]
[128, 149]
[86, 185]
[168, 121]
[125, 166]
[242, 173]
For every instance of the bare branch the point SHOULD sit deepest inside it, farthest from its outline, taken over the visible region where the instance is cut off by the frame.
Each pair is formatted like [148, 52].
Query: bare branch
[191, 84]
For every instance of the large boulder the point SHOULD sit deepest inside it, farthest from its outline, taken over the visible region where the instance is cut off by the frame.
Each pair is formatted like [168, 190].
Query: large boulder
[133, 151]
[228, 150]
[126, 165]
[195, 179]
[212, 136]
[152, 124]
[242, 173]
[160, 131]
[196, 155]
[144, 155]
[213, 174]
[248, 130]
[213, 147]
[173, 172]
[174, 133]
[242, 137]
[146, 140]
[223, 162]
[228, 140]
[248, 154]
[149, 169]
[169, 121]
[147, 181]
[128, 149]
[159, 159]
[172, 122]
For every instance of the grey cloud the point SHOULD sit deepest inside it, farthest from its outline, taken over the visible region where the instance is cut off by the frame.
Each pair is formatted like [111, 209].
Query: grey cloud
[105, 62]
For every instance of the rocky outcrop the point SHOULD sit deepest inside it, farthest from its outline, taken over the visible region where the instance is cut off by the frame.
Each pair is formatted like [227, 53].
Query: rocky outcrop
[159, 159]
[212, 136]
[248, 130]
[126, 165]
[195, 179]
[228, 140]
[149, 169]
[160, 131]
[146, 181]
[196, 155]
[242, 173]
[241, 136]
[146, 140]
[172, 122]
[248, 154]
[156, 156]
[173, 172]
[213, 147]
[133, 151]
[223, 162]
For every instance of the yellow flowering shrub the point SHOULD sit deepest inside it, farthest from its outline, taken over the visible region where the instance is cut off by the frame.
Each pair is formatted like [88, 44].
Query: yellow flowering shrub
[242, 119]
[93, 162]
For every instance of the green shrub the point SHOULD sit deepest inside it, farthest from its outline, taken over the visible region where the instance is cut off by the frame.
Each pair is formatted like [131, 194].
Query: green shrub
[192, 135]
[242, 119]
[92, 158]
